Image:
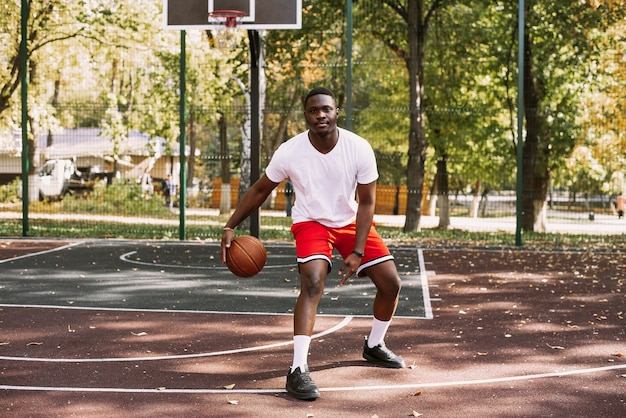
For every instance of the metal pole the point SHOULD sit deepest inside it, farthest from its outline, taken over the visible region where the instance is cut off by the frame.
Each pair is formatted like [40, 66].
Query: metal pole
[255, 129]
[182, 189]
[349, 64]
[520, 122]
[25, 12]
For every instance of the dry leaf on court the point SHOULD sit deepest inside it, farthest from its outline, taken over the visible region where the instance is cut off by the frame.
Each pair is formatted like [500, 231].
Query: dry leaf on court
[4, 343]
[233, 402]
[229, 386]
[34, 343]
[139, 334]
[618, 355]
[555, 347]
[417, 394]
[415, 414]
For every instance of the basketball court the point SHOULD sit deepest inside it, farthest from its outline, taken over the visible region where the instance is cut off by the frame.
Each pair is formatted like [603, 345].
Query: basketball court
[159, 328]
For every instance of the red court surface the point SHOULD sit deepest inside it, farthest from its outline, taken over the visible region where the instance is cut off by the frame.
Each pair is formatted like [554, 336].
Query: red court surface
[513, 333]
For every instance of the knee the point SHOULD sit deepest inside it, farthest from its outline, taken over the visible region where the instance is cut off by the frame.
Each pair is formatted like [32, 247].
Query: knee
[312, 285]
[390, 287]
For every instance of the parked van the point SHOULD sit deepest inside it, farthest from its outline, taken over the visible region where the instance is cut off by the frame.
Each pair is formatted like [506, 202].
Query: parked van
[60, 177]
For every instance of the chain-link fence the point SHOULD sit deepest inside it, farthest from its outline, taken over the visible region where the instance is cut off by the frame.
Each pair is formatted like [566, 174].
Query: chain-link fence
[104, 145]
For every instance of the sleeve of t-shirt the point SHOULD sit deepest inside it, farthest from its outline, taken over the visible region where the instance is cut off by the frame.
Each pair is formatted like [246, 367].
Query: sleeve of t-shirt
[368, 170]
[274, 170]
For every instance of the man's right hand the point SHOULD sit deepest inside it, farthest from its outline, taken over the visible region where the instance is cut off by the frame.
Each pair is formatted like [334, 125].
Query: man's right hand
[227, 237]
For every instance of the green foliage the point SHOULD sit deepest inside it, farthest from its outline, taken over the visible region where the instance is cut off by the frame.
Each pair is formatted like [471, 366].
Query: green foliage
[9, 192]
[104, 60]
[115, 199]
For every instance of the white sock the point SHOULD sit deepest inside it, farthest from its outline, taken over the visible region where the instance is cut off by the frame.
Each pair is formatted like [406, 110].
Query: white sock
[301, 345]
[377, 334]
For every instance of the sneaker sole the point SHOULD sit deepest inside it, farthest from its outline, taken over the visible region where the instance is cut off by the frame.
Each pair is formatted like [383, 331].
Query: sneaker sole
[304, 396]
[382, 363]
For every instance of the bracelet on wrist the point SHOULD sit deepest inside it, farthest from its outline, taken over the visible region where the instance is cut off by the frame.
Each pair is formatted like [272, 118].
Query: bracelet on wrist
[228, 229]
[359, 253]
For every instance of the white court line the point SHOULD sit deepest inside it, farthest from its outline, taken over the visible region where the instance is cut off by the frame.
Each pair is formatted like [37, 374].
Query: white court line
[428, 310]
[40, 252]
[124, 257]
[330, 330]
[330, 389]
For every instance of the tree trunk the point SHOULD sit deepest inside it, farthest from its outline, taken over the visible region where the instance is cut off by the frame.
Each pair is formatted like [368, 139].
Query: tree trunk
[417, 137]
[191, 160]
[443, 202]
[475, 204]
[225, 166]
[534, 170]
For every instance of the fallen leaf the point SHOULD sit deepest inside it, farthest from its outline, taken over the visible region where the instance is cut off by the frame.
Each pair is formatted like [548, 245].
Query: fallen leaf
[4, 343]
[417, 394]
[482, 353]
[618, 355]
[34, 343]
[139, 334]
[555, 347]
[229, 386]
[416, 414]
[233, 402]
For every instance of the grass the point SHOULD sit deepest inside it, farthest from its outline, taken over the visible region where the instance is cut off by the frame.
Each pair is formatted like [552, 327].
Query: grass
[426, 238]
[146, 217]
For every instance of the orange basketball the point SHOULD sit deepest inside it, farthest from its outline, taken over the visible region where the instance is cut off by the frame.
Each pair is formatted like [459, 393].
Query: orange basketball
[246, 256]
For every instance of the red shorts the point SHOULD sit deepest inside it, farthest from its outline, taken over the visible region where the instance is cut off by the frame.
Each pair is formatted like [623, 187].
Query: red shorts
[315, 241]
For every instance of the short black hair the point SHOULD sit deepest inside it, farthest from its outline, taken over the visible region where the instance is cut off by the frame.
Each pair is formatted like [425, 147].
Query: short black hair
[318, 90]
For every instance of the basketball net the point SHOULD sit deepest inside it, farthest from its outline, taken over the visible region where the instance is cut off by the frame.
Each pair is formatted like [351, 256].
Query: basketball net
[226, 24]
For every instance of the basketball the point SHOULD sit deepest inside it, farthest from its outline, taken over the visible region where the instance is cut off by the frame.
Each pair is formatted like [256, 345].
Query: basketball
[246, 256]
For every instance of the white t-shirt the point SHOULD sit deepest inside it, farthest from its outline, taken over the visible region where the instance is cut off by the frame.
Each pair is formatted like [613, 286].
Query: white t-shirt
[324, 184]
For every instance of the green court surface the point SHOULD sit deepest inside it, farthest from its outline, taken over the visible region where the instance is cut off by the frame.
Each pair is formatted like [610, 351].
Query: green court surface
[190, 276]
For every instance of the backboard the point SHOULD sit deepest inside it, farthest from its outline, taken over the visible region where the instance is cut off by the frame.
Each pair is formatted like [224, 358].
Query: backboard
[259, 14]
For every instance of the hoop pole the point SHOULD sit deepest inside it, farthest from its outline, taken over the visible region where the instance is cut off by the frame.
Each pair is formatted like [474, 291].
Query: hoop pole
[255, 129]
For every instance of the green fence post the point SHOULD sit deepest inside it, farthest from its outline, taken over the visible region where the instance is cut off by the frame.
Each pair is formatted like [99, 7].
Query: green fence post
[182, 190]
[24, 98]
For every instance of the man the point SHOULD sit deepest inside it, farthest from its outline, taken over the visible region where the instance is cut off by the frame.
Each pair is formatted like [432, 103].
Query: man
[169, 190]
[288, 197]
[326, 164]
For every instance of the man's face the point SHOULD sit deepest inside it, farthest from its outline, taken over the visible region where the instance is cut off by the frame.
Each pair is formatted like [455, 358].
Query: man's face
[321, 113]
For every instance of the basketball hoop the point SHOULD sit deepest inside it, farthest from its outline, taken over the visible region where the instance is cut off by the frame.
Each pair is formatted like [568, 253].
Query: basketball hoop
[226, 23]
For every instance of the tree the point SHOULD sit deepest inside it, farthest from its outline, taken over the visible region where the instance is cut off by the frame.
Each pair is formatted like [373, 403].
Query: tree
[557, 52]
[408, 41]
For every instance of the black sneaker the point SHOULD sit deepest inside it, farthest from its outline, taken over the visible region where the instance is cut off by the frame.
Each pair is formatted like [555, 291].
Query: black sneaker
[301, 386]
[382, 356]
